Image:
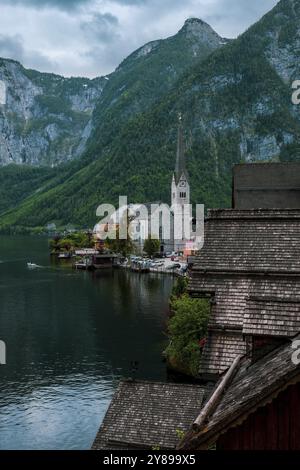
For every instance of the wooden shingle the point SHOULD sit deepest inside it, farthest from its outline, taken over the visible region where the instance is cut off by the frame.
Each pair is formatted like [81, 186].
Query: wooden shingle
[251, 241]
[149, 414]
[272, 317]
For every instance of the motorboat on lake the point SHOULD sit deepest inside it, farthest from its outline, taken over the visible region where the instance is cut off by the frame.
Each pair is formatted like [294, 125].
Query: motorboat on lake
[32, 265]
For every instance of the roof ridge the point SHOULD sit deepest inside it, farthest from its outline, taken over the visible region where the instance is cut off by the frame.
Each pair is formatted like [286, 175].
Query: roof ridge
[244, 214]
[154, 382]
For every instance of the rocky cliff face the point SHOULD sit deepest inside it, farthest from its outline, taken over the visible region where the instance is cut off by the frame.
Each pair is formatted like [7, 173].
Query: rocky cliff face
[277, 41]
[45, 119]
[197, 28]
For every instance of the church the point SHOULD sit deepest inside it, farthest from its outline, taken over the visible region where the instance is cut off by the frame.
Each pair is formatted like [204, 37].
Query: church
[175, 241]
[180, 188]
[172, 239]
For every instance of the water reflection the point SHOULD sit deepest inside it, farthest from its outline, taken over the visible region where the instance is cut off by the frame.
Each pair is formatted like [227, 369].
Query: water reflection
[70, 336]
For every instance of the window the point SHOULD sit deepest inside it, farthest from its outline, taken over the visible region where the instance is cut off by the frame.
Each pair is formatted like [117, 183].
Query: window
[183, 195]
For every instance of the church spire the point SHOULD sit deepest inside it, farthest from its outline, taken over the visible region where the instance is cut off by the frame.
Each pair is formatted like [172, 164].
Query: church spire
[180, 167]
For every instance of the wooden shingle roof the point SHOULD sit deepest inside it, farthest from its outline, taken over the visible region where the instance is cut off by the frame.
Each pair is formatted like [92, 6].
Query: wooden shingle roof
[253, 386]
[259, 241]
[272, 316]
[220, 350]
[245, 305]
[149, 414]
[250, 266]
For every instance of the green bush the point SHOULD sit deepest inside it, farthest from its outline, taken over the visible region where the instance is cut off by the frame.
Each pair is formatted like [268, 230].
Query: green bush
[72, 241]
[179, 287]
[187, 327]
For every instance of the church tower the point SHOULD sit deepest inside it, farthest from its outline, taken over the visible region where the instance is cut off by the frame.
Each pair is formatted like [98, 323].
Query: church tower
[180, 181]
[180, 188]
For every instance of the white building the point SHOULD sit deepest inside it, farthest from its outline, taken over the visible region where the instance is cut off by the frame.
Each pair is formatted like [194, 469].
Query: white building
[149, 219]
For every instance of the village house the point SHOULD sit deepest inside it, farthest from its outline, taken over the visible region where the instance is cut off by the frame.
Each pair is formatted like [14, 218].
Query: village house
[250, 267]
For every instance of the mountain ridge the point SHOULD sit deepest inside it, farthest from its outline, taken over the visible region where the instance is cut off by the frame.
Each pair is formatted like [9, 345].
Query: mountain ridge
[237, 108]
[47, 119]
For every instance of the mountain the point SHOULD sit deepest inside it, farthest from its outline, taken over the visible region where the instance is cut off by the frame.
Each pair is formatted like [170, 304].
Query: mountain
[236, 103]
[139, 82]
[150, 72]
[45, 119]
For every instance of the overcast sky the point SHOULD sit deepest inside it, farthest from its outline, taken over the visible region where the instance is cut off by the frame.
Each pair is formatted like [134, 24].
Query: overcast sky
[91, 37]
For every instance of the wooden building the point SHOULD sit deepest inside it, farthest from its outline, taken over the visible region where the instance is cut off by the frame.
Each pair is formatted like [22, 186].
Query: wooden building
[258, 409]
[250, 268]
[103, 260]
[266, 185]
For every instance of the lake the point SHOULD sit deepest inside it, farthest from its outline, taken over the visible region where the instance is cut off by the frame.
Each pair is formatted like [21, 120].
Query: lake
[70, 337]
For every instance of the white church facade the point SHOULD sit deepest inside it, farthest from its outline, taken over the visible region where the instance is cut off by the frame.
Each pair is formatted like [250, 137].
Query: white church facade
[172, 238]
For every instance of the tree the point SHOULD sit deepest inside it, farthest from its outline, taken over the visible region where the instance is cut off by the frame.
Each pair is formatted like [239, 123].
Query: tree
[187, 326]
[71, 241]
[180, 287]
[151, 246]
[124, 247]
[119, 245]
[54, 244]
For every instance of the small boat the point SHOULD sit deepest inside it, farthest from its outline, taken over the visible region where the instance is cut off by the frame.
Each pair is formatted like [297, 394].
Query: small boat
[64, 255]
[84, 264]
[32, 265]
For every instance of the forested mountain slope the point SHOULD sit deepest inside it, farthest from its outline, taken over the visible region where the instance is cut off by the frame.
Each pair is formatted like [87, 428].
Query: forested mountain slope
[236, 105]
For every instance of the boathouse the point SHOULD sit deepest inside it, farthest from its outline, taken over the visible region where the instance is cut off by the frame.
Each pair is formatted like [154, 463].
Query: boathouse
[103, 260]
[255, 406]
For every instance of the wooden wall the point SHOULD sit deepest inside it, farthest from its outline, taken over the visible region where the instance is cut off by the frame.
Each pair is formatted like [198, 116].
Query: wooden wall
[273, 427]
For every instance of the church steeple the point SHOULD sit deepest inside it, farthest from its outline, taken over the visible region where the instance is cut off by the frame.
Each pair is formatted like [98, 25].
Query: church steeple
[180, 168]
[180, 191]
[180, 181]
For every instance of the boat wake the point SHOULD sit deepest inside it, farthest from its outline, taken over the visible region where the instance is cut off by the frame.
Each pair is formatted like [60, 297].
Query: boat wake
[33, 266]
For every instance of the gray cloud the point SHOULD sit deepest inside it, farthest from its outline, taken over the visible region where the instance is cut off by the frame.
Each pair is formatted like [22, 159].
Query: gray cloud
[132, 2]
[71, 4]
[238, 15]
[11, 47]
[63, 4]
[91, 37]
[102, 27]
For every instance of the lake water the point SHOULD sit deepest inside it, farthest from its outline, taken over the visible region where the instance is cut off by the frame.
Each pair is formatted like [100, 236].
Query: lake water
[70, 337]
